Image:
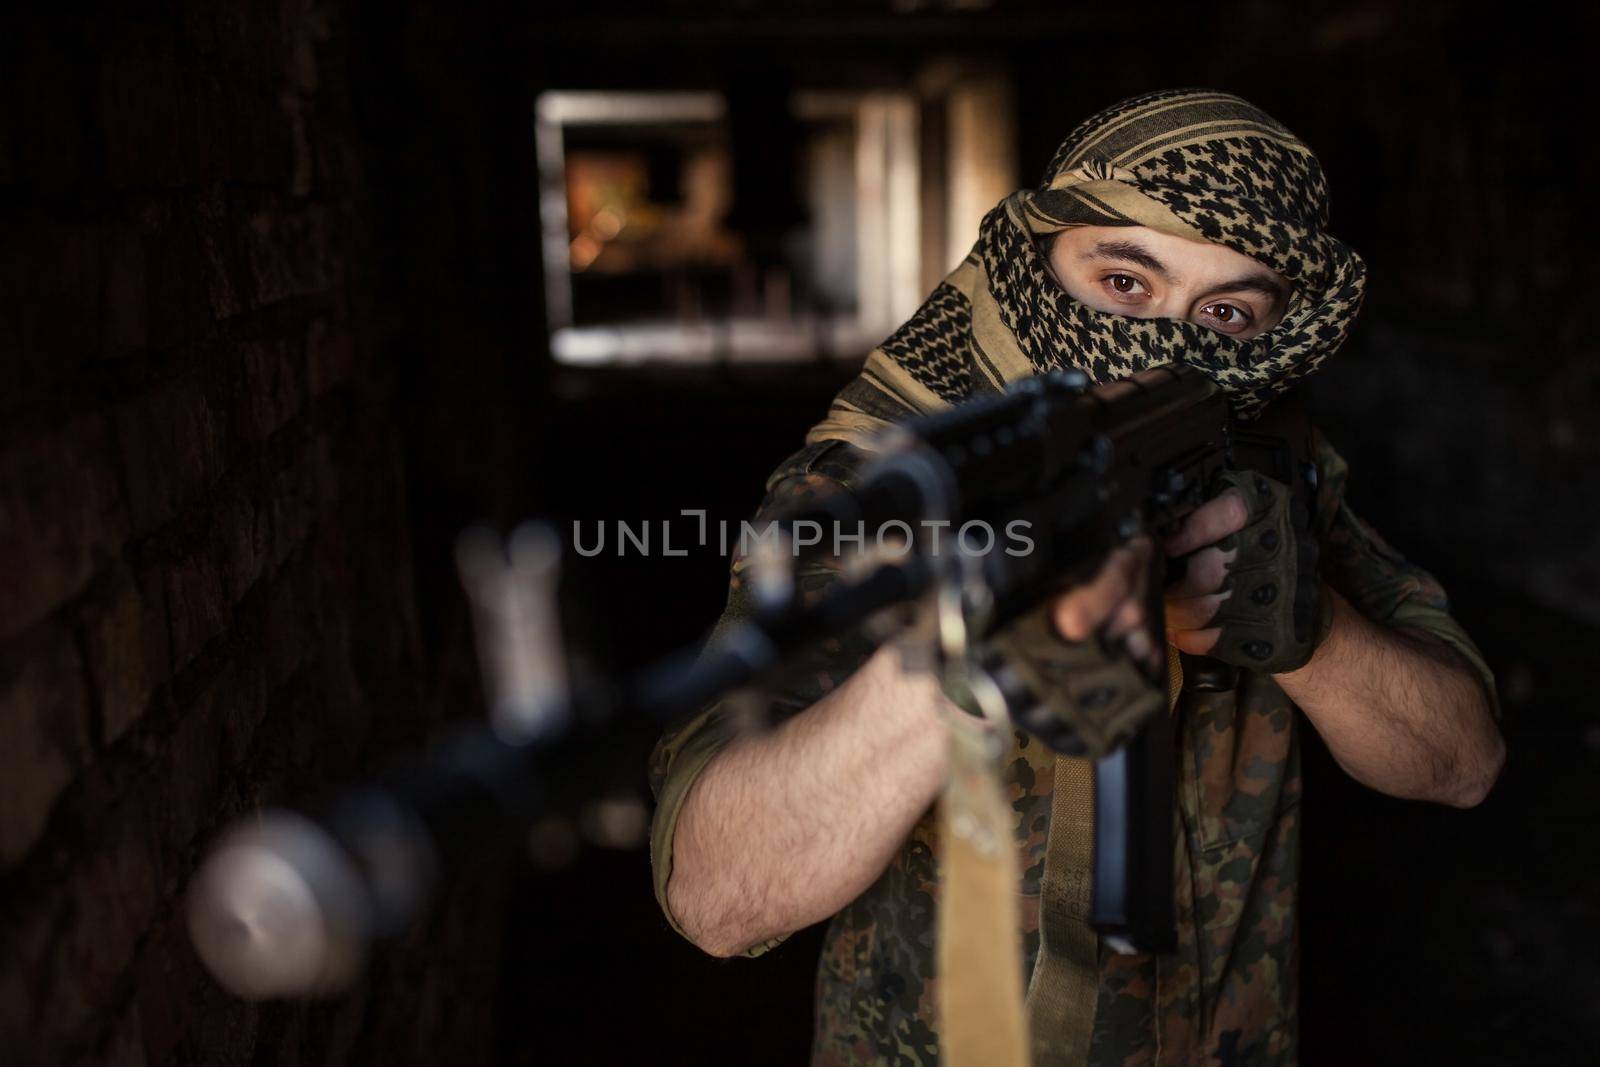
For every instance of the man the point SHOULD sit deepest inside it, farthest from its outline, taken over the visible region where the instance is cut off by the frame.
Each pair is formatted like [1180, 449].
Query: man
[1175, 226]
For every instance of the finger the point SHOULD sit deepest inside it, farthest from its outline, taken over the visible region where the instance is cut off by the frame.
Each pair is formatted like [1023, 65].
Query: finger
[1210, 523]
[1129, 627]
[1194, 642]
[1192, 613]
[1140, 646]
[1128, 623]
[1080, 612]
[1125, 617]
[1156, 660]
[1146, 649]
[1143, 548]
[1204, 573]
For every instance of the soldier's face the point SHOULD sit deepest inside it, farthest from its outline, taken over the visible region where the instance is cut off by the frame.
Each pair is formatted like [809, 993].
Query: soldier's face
[1137, 271]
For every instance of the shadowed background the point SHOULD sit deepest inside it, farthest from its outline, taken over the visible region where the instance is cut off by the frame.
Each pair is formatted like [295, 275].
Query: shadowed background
[274, 328]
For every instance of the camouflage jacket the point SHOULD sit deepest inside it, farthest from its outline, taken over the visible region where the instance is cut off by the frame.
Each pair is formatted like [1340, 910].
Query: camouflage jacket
[1229, 994]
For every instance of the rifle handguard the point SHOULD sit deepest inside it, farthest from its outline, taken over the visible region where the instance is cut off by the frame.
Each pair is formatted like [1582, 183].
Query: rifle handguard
[1277, 614]
[1081, 698]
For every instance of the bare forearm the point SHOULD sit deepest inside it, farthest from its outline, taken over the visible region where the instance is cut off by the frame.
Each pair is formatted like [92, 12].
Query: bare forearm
[1399, 712]
[783, 829]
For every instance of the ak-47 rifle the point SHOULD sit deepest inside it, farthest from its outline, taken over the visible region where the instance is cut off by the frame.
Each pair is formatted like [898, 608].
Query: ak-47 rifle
[287, 904]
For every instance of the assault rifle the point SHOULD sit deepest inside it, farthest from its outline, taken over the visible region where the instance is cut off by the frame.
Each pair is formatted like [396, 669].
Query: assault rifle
[288, 904]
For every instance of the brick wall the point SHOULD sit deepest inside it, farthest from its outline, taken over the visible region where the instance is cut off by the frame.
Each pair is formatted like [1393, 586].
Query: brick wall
[205, 582]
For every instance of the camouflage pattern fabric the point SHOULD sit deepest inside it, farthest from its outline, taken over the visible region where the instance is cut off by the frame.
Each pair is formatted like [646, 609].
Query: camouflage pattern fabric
[1229, 995]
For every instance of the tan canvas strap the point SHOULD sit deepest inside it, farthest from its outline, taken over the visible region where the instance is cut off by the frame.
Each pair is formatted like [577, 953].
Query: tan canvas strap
[981, 1004]
[979, 962]
[1066, 973]
[1064, 991]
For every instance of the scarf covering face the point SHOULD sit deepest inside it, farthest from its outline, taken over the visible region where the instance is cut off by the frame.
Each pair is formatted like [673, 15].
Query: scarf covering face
[1202, 165]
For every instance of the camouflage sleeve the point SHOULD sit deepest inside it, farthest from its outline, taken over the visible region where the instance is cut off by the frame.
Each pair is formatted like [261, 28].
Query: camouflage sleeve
[687, 747]
[1381, 583]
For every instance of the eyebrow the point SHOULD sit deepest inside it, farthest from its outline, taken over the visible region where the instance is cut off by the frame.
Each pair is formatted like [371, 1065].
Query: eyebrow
[1130, 252]
[1133, 252]
[1255, 283]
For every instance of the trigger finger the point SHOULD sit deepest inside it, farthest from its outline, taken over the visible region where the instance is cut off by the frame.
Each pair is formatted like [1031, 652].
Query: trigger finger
[1129, 614]
[1203, 574]
[1195, 642]
[1192, 613]
[1224, 514]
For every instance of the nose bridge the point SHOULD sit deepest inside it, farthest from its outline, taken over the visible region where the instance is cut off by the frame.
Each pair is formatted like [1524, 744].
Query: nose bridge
[1174, 303]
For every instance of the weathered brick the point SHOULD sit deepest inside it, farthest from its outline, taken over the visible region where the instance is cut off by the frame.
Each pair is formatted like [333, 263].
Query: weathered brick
[123, 1045]
[290, 498]
[266, 137]
[212, 567]
[252, 57]
[111, 898]
[198, 603]
[221, 1029]
[124, 633]
[249, 532]
[288, 249]
[250, 529]
[179, 306]
[61, 518]
[237, 698]
[270, 385]
[125, 290]
[190, 783]
[171, 440]
[50, 334]
[236, 542]
[44, 733]
[28, 939]
[251, 44]
[215, 232]
[151, 105]
[47, 144]
[171, 120]
[167, 979]
[183, 249]
[330, 355]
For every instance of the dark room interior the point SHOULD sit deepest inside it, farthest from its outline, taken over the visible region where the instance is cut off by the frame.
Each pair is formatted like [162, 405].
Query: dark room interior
[297, 290]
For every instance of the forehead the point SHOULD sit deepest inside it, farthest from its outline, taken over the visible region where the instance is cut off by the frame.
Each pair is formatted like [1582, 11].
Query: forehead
[1191, 260]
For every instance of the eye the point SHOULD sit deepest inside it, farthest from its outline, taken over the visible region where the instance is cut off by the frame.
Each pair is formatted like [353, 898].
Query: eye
[1124, 285]
[1226, 318]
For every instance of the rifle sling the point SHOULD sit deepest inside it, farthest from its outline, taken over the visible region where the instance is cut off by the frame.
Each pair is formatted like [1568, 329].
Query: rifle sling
[1066, 973]
[979, 964]
[979, 973]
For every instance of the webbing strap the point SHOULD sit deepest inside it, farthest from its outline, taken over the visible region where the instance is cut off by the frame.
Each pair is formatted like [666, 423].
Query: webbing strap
[1066, 973]
[981, 1005]
[979, 965]
[1064, 991]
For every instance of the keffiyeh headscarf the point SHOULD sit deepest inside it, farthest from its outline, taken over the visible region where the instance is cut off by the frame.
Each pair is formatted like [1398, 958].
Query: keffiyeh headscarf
[1197, 164]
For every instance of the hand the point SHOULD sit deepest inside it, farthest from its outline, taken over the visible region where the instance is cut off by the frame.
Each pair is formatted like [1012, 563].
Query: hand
[1114, 599]
[1080, 670]
[1250, 594]
[1193, 600]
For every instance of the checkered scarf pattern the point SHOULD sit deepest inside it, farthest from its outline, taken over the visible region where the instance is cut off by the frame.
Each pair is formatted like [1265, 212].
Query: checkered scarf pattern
[1198, 164]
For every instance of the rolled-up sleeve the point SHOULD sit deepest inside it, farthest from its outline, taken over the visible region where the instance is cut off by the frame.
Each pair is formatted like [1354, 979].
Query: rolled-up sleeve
[688, 747]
